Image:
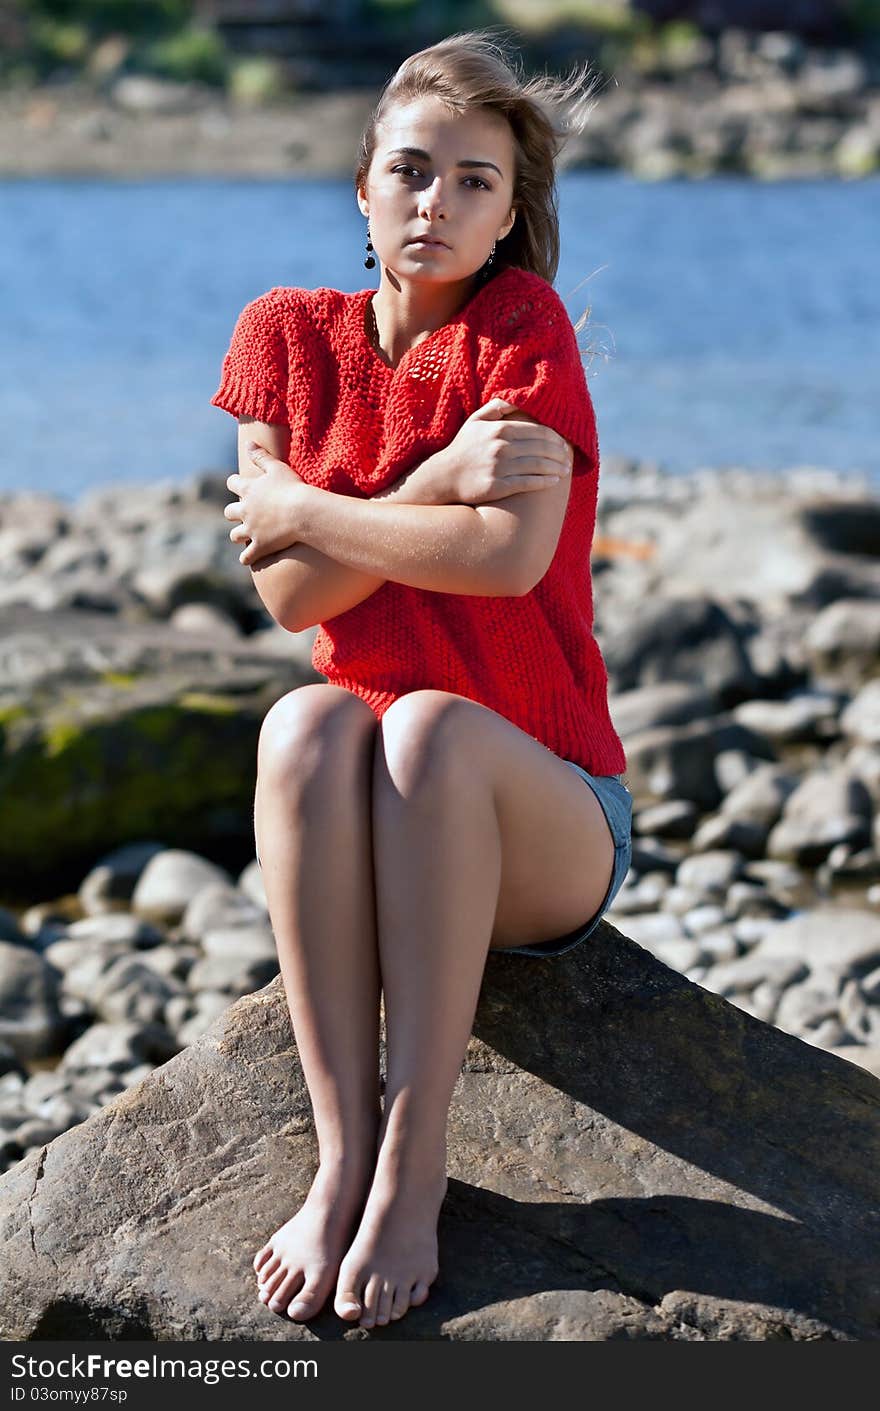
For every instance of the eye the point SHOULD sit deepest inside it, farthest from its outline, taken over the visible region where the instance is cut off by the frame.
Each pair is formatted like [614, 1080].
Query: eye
[485, 185]
[405, 168]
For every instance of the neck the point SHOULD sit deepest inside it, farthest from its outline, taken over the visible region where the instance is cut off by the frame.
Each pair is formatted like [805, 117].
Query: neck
[408, 313]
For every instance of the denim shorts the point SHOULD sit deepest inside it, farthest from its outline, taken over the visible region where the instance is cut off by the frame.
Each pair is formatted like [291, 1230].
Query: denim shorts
[616, 801]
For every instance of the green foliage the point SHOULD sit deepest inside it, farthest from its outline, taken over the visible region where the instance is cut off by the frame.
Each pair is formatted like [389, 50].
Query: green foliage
[136, 18]
[59, 43]
[254, 81]
[608, 18]
[192, 53]
[864, 17]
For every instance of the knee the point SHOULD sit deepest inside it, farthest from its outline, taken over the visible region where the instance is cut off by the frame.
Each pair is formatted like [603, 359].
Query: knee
[310, 725]
[420, 739]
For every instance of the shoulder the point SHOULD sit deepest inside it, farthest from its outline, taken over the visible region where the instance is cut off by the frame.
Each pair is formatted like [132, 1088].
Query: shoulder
[523, 317]
[315, 313]
[517, 301]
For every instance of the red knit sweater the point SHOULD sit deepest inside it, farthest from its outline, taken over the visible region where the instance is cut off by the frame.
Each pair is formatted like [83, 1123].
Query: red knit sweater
[302, 357]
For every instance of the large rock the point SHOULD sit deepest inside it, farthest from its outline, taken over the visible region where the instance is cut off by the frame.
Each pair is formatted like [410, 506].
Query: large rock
[801, 547]
[690, 639]
[630, 1156]
[112, 732]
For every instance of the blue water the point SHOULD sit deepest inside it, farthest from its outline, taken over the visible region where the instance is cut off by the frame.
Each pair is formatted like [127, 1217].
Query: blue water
[735, 322]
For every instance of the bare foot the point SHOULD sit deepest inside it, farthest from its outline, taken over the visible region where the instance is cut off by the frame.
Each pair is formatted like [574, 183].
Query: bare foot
[297, 1268]
[393, 1259]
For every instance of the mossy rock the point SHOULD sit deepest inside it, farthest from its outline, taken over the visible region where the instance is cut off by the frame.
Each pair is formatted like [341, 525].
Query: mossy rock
[125, 761]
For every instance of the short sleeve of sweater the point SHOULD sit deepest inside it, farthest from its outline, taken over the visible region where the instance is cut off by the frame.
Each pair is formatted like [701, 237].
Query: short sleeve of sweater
[253, 380]
[529, 356]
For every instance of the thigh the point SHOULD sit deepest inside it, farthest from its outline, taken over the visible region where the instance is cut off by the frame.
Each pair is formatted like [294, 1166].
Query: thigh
[557, 848]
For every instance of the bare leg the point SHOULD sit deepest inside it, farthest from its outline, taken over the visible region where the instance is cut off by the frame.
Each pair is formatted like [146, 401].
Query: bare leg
[481, 837]
[313, 829]
[438, 866]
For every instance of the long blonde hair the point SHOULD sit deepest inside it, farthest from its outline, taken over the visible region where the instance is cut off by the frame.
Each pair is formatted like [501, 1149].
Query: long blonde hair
[472, 70]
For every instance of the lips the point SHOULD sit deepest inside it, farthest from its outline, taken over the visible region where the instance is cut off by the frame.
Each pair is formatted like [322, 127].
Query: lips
[427, 240]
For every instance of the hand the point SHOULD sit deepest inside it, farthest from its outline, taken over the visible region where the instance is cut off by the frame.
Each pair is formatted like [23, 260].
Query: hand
[499, 451]
[267, 506]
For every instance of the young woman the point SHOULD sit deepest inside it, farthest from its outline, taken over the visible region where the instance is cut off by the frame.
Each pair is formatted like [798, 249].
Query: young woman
[418, 474]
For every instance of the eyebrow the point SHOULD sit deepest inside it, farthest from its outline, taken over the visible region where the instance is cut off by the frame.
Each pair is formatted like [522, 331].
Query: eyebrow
[426, 157]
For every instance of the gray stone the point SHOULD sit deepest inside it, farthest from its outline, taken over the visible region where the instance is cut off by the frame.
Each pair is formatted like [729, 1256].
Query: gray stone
[169, 882]
[251, 884]
[761, 795]
[129, 991]
[173, 960]
[718, 945]
[804, 1006]
[752, 899]
[703, 919]
[71, 956]
[660, 703]
[674, 819]
[689, 639]
[744, 973]
[653, 855]
[218, 904]
[807, 715]
[121, 928]
[844, 638]
[677, 761]
[205, 617]
[646, 894]
[863, 762]
[233, 974]
[112, 882]
[115, 1048]
[709, 873]
[861, 719]
[242, 942]
[842, 940]
[30, 1022]
[209, 1004]
[741, 835]
[647, 1072]
[678, 901]
[828, 807]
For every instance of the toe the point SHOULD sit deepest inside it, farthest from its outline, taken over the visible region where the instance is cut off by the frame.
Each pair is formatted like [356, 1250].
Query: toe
[419, 1293]
[285, 1291]
[262, 1257]
[348, 1303]
[401, 1301]
[383, 1306]
[269, 1269]
[308, 1302]
[371, 1301]
[272, 1283]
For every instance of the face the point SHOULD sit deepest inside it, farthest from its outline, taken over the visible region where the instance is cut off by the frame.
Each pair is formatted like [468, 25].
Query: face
[458, 190]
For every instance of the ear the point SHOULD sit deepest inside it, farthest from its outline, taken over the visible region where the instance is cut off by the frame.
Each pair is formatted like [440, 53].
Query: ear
[363, 203]
[508, 225]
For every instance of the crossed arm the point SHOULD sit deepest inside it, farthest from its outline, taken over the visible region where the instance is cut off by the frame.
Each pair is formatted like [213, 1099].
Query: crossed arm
[415, 533]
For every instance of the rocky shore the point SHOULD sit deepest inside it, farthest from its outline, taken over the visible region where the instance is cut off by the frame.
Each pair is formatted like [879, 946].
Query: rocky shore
[765, 105]
[739, 616]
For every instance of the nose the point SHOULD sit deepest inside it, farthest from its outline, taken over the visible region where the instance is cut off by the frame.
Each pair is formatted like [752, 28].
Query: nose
[432, 201]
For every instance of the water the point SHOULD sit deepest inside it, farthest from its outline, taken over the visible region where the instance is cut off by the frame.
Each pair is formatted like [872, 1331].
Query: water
[735, 322]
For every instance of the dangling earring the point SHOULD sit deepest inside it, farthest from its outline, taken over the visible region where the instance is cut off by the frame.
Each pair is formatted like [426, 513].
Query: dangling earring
[369, 262]
[491, 254]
